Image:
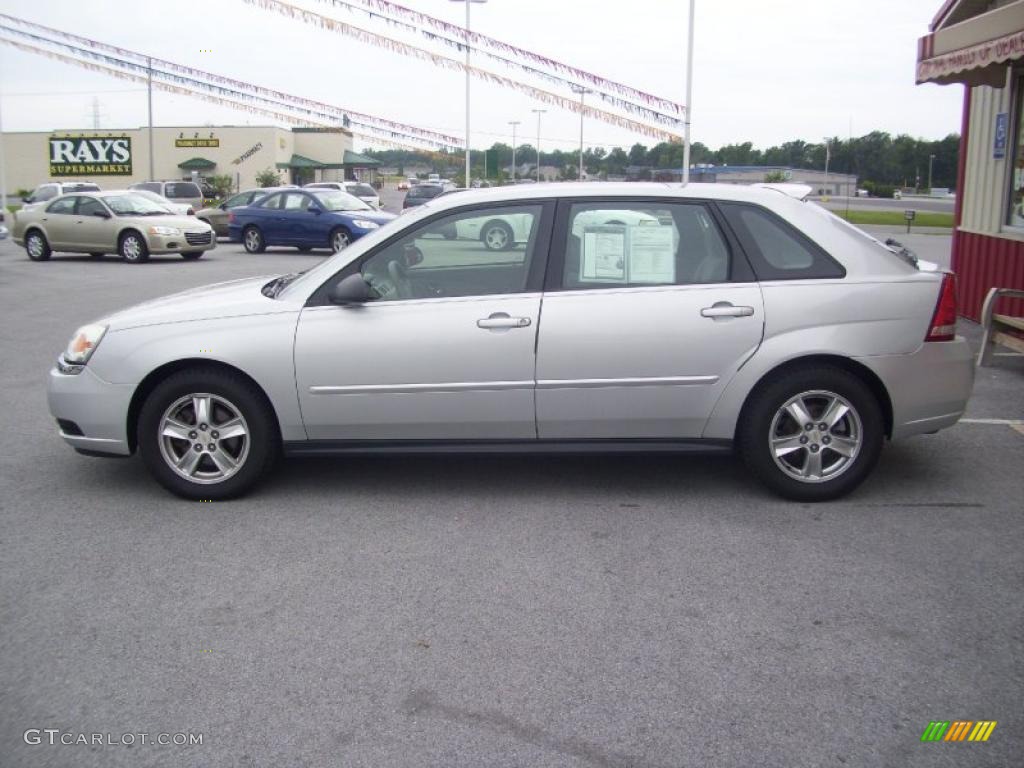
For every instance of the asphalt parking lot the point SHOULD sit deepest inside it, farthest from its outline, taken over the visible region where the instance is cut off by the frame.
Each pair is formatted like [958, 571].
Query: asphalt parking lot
[488, 611]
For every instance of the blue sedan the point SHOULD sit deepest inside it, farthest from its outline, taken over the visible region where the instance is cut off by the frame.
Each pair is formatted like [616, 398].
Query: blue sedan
[304, 218]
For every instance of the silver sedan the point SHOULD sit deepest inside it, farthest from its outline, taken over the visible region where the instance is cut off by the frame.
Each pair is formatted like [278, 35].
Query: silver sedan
[709, 318]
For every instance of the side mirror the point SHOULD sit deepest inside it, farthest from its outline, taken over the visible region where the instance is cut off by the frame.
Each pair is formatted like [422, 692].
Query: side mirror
[223, 206]
[314, 209]
[352, 290]
[101, 214]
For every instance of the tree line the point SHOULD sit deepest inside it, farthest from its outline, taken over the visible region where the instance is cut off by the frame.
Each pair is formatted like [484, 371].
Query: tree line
[877, 158]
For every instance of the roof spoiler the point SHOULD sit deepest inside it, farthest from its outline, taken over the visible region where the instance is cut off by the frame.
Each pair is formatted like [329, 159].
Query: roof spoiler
[798, 191]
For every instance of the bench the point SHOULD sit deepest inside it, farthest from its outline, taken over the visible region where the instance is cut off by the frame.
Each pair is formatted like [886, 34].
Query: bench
[999, 328]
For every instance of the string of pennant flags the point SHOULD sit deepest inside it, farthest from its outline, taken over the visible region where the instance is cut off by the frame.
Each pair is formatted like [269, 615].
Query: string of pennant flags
[541, 66]
[21, 26]
[391, 12]
[397, 46]
[135, 76]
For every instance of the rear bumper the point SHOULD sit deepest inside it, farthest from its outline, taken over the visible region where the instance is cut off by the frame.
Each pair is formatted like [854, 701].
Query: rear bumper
[929, 389]
[98, 408]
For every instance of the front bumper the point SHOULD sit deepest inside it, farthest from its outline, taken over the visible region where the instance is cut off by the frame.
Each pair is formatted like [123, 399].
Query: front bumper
[97, 407]
[178, 243]
[929, 389]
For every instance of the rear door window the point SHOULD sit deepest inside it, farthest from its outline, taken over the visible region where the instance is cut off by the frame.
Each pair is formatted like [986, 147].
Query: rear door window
[149, 186]
[182, 189]
[45, 192]
[64, 205]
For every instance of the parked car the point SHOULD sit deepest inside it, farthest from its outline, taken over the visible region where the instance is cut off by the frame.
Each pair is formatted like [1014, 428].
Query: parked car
[217, 216]
[743, 319]
[98, 223]
[421, 193]
[305, 218]
[3, 232]
[52, 189]
[186, 192]
[359, 189]
[178, 209]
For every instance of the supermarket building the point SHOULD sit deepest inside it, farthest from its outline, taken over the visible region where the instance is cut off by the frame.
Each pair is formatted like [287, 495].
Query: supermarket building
[117, 158]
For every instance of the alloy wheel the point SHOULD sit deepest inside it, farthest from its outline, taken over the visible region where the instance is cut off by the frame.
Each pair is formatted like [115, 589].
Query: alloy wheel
[815, 436]
[253, 240]
[131, 248]
[340, 241]
[204, 438]
[496, 238]
[35, 246]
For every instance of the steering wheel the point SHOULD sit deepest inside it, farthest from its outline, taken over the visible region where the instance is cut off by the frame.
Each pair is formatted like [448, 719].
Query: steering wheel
[401, 281]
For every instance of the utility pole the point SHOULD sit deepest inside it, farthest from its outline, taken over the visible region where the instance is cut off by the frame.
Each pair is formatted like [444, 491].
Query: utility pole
[149, 96]
[513, 123]
[828, 141]
[931, 159]
[582, 92]
[96, 112]
[3, 166]
[689, 101]
[468, 4]
[538, 112]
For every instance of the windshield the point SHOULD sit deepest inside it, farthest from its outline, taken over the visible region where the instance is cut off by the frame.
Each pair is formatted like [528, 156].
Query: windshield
[134, 204]
[334, 200]
[161, 200]
[362, 190]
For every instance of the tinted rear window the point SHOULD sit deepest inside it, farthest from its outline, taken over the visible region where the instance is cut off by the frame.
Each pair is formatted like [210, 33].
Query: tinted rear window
[425, 190]
[182, 189]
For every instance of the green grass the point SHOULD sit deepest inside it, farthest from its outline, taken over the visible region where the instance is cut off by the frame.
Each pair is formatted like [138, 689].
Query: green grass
[923, 218]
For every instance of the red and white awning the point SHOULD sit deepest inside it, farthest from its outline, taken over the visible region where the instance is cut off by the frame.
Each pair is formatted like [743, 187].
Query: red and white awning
[976, 51]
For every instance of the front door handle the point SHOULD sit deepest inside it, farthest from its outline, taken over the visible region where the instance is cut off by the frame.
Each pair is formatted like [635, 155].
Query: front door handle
[725, 309]
[502, 320]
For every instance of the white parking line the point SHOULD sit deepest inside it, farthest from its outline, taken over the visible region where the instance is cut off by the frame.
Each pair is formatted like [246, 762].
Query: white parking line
[1017, 425]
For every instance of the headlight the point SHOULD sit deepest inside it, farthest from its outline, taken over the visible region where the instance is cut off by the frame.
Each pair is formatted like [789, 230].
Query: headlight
[81, 346]
[164, 231]
[365, 224]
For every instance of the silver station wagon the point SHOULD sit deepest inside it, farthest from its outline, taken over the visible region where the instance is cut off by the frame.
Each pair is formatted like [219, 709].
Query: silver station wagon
[633, 317]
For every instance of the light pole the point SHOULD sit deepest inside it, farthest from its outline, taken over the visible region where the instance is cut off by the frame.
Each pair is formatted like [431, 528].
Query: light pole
[468, 4]
[931, 159]
[3, 168]
[825, 183]
[513, 123]
[149, 101]
[538, 112]
[689, 101]
[582, 92]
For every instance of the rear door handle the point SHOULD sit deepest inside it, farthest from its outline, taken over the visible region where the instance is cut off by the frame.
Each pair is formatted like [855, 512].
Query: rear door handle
[502, 320]
[725, 309]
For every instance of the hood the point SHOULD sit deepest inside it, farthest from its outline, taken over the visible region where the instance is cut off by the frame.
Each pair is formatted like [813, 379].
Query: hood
[235, 298]
[378, 217]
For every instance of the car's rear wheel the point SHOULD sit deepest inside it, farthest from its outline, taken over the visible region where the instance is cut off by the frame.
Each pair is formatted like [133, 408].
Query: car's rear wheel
[813, 434]
[192, 255]
[36, 246]
[497, 236]
[133, 248]
[341, 238]
[253, 240]
[207, 434]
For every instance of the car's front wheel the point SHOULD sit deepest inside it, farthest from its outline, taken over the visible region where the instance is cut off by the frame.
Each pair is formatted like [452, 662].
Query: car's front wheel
[133, 248]
[341, 238]
[36, 246]
[253, 240]
[207, 434]
[813, 434]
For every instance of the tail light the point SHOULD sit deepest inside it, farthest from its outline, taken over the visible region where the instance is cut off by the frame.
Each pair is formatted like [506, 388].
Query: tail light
[943, 325]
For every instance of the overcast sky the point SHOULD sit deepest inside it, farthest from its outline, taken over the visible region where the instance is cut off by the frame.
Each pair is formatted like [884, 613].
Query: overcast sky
[765, 72]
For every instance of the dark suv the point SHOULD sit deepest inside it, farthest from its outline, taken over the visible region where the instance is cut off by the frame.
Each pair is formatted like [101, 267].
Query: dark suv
[420, 194]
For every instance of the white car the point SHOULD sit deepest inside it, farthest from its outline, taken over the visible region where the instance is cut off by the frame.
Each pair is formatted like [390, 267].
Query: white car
[504, 232]
[359, 189]
[178, 209]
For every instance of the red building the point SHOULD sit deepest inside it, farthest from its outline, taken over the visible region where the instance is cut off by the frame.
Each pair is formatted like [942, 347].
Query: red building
[980, 44]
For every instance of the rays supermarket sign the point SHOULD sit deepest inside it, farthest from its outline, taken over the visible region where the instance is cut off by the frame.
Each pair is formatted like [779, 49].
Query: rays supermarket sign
[91, 155]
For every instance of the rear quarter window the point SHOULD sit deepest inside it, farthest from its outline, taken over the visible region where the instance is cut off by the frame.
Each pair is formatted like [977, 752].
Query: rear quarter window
[778, 250]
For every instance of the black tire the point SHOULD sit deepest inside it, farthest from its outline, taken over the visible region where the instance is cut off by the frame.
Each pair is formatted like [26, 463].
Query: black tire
[97, 255]
[497, 236]
[132, 247]
[35, 243]
[338, 236]
[192, 255]
[263, 438]
[860, 432]
[253, 240]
